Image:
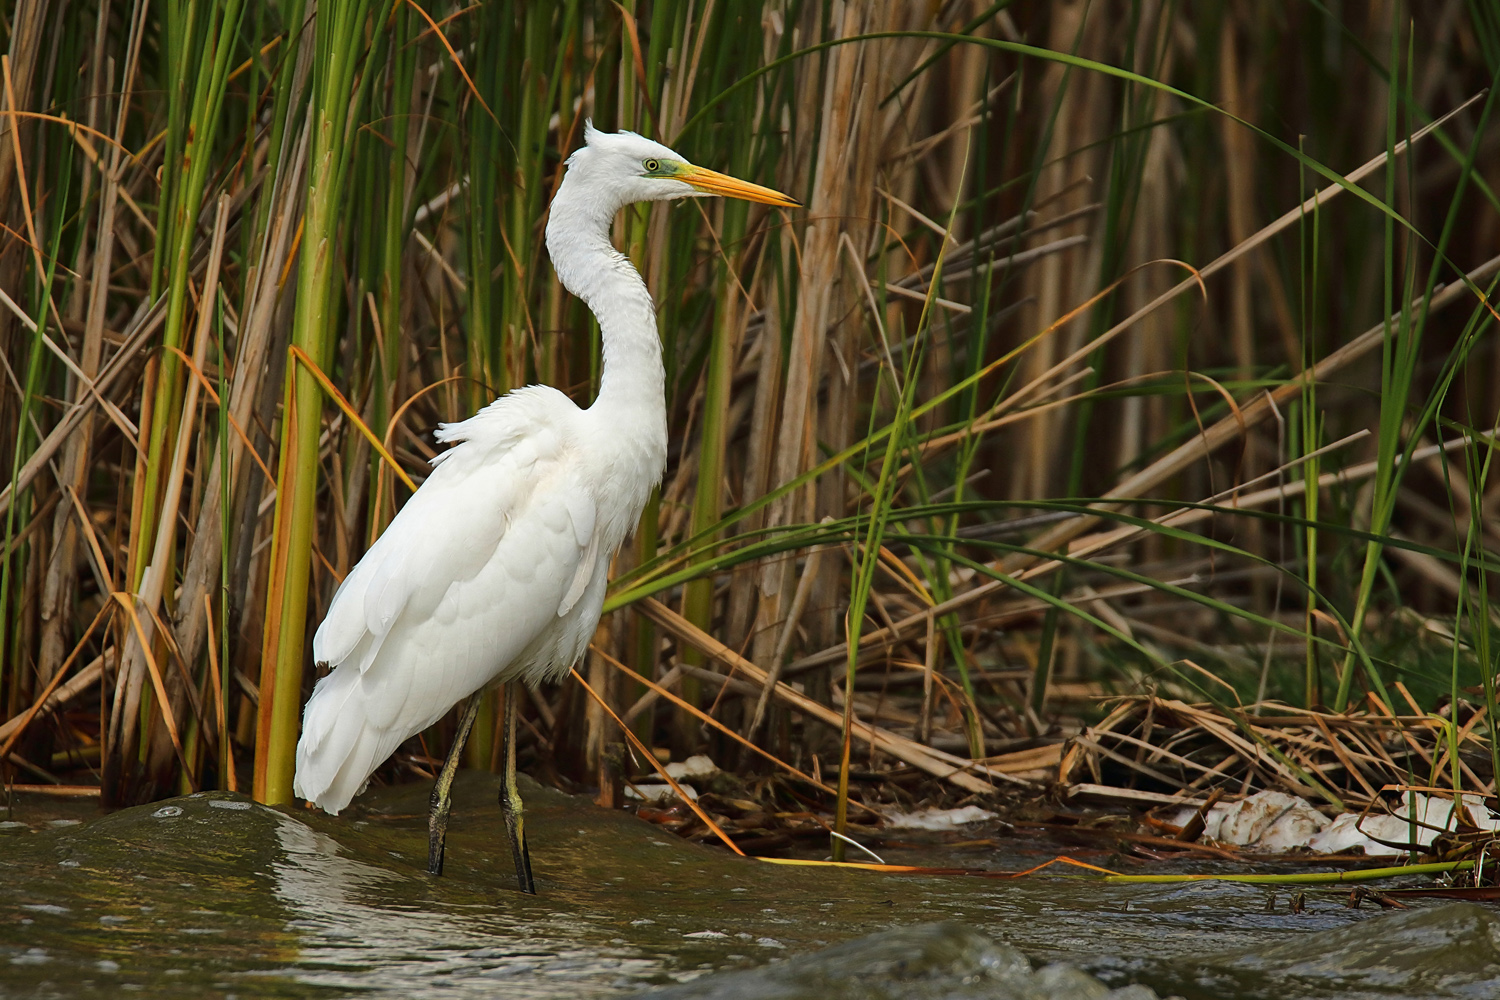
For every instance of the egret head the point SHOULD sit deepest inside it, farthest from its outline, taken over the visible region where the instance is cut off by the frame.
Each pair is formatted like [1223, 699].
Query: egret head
[625, 168]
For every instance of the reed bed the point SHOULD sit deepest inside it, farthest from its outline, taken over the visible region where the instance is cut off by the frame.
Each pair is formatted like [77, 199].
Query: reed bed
[1124, 347]
[1349, 759]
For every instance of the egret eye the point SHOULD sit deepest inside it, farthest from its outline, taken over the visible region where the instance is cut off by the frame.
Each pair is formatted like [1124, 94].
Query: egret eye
[652, 166]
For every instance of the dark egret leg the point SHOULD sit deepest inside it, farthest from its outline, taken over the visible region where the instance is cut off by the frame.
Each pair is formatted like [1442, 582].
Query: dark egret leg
[510, 795]
[442, 801]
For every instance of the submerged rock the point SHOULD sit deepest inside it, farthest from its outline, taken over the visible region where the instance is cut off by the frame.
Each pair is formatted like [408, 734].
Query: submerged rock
[1445, 950]
[939, 961]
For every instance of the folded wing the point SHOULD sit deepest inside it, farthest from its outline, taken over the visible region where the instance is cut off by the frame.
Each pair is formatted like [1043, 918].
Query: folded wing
[490, 552]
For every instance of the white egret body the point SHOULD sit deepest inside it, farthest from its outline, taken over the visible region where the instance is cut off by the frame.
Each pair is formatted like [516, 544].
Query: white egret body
[495, 570]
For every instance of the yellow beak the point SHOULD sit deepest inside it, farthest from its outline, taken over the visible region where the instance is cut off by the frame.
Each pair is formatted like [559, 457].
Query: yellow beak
[713, 182]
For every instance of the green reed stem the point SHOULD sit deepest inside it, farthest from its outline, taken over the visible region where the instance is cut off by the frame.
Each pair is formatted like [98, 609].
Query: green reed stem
[338, 37]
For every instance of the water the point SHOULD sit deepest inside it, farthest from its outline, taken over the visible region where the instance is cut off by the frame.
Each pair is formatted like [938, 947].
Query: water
[211, 895]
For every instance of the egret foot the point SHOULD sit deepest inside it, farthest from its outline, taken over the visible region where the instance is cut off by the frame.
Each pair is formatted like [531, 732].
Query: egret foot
[510, 795]
[442, 799]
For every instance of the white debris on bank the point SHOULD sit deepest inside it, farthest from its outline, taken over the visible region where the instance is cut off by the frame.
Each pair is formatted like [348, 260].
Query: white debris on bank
[937, 819]
[695, 770]
[697, 766]
[1275, 822]
[1432, 816]
[1270, 821]
[658, 794]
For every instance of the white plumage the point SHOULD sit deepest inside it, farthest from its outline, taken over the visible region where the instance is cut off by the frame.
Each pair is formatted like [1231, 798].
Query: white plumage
[495, 570]
[491, 571]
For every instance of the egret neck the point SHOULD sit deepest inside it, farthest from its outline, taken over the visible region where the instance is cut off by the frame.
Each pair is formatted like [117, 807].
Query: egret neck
[588, 266]
[632, 382]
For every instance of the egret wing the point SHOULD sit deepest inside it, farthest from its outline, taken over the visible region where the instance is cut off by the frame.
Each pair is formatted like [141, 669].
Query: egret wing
[443, 533]
[511, 464]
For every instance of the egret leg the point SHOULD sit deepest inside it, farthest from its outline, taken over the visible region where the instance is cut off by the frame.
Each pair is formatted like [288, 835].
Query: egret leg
[510, 795]
[442, 801]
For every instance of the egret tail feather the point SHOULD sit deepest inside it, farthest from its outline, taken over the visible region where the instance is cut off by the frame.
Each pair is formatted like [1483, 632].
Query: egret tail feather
[339, 749]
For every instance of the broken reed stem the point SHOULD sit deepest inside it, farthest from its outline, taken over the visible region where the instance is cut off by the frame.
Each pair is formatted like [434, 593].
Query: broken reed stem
[932, 761]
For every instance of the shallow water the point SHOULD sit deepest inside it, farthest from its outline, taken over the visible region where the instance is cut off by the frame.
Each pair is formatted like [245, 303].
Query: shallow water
[211, 895]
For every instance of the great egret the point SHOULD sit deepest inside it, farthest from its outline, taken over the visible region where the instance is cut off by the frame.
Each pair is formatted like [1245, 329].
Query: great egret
[495, 570]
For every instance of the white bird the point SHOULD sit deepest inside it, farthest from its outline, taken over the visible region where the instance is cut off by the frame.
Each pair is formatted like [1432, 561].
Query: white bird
[495, 570]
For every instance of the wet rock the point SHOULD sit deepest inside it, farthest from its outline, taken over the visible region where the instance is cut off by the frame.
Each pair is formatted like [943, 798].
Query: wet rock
[210, 894]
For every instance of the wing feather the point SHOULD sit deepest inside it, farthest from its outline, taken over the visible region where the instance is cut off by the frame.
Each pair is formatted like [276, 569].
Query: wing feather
[581, 512]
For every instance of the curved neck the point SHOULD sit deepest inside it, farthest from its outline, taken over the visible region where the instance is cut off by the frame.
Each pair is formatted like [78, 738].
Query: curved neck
[632, 376]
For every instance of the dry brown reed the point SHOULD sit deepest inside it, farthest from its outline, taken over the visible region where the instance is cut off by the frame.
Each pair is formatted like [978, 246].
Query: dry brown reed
[1151, 383]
